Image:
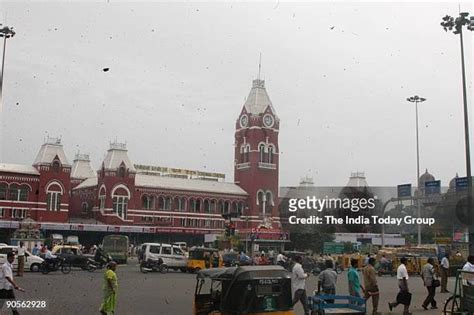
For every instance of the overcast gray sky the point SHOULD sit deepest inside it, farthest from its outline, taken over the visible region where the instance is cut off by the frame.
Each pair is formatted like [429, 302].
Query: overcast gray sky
[338, 74]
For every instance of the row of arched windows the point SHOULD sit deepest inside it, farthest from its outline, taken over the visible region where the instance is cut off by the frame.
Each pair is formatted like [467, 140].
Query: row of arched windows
[198, 205]
[14, 192]
[266, 153]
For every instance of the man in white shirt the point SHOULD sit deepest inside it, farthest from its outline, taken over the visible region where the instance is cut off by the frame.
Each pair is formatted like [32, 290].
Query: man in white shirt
[281, 259]
[298, 284]
[469, 266]
[404, 295]
[444, 273]
[6, 282]
[21, 259]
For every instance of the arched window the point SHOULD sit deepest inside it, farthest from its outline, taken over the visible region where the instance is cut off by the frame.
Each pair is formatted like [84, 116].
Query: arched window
[260, 197]
[269, 202]
[221, 207]
[164, 203]
[3, 191]
[84, 207]
[56, 166]
[121, 171]
[54, 192]
[262, 150]
[167, 203]
[195, 205]
[271, 151]
[14, 192]
[207, 206]
[24, 190]
[244, 153]
[148, 202]
[102, 198]
[226, 207]
[120, 197]
[235, 207]
[180, 203]
[213, 205]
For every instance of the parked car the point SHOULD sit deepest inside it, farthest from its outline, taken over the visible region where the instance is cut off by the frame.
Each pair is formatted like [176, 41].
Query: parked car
[32, 262]
[73, 256]
[172, 255]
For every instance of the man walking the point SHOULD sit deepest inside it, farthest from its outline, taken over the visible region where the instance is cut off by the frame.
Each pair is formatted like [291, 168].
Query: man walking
[444, 273]
[327, 280]
[371, 287]
[354, 280]
[298, 284]
[428, 275]
[404, 295]
[21, 259]
[7, 285]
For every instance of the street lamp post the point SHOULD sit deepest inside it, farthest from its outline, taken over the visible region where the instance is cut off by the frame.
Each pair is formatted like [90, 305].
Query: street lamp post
[5, 32]
[416, 99]
[456, 25]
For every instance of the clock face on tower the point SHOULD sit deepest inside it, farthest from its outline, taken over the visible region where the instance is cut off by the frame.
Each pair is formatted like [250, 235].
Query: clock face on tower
[244, 121]
[268, 120]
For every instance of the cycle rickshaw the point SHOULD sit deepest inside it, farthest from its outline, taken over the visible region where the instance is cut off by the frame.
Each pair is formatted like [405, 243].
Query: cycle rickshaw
[462, 300]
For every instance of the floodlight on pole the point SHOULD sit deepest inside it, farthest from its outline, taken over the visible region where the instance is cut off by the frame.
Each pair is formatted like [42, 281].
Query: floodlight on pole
[416, 99]
[455, 25]
[6, 32]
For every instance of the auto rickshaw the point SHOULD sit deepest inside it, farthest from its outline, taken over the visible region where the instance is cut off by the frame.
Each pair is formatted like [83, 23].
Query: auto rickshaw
[203, 258]
[413, 263]
[255, 290]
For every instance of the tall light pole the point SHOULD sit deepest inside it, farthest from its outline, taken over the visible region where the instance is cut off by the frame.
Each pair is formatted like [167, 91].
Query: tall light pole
[456, 25]
[5, 32]
[416, 99]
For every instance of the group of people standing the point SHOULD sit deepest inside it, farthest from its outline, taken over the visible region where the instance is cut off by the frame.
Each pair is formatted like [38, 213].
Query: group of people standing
[370, 290]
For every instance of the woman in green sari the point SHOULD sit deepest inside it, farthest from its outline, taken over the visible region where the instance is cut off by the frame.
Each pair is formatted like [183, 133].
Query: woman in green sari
[110, 290]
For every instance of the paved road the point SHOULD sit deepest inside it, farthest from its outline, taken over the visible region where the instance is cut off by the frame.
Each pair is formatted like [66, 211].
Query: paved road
[171, 293]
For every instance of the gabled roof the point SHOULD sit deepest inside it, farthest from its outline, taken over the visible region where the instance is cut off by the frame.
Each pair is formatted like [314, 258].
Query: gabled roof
[152, 181]
[81, 168]
[19, 169]
[89, 182]
[258, 100]
[116, 155]
[51, 149]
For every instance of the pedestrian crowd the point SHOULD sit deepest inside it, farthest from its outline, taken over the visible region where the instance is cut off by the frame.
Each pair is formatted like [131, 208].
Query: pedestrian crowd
[431, 277]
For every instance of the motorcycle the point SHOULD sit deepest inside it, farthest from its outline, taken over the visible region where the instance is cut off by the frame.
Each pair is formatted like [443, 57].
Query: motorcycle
[55, 264]
[101, 259]
[153, 265]
[89, 265]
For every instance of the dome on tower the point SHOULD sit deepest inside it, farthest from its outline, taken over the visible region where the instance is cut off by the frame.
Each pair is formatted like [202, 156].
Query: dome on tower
[452, 182]
[426, 177]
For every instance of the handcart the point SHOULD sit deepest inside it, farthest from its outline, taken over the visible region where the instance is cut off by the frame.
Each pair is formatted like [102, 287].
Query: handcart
[321, 304]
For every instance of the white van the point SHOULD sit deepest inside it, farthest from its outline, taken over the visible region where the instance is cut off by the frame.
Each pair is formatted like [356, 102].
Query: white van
[32, 262]
[172, 255]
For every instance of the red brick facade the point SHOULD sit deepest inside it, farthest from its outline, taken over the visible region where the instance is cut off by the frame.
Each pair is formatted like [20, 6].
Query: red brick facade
[119, 194]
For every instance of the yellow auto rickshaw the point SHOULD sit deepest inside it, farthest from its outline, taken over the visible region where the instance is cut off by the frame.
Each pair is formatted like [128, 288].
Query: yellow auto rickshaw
[203, 258]
[252, 290]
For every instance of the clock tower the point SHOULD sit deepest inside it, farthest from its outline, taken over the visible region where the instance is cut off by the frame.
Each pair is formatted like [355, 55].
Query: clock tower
[257, 159]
